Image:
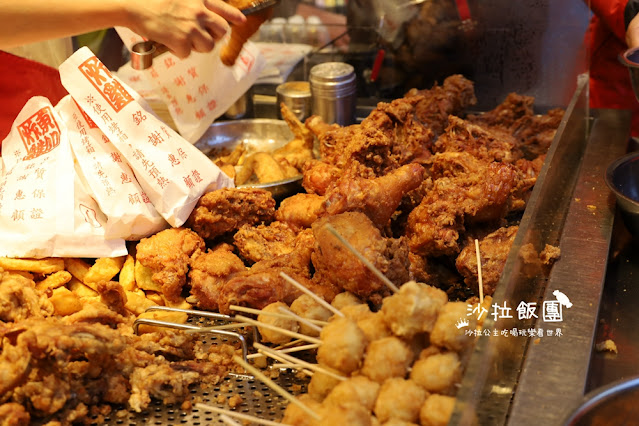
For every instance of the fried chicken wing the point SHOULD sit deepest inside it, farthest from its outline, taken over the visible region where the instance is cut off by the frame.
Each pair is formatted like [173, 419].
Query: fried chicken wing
[167, 254]
[227, 209]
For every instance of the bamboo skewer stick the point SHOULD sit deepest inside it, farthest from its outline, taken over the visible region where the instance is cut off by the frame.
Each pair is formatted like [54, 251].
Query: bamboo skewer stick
[298, 318]
[315, 297]
[279, 329]
[365, 261]
[479, 278]
[287, 358]
[238, 415]
[228, 421]
[287, 350]
[273, 314]
[277, 388]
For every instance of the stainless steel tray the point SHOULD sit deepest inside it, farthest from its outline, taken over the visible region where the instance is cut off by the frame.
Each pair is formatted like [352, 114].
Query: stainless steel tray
[526, 380]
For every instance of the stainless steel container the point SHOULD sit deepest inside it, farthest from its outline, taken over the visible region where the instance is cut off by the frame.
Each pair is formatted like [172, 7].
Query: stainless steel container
[296, 95]
[334, 92]
[241, 108]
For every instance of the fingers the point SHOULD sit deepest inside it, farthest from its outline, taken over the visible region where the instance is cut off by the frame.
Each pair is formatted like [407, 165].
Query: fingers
[632, 34]
[226, 11]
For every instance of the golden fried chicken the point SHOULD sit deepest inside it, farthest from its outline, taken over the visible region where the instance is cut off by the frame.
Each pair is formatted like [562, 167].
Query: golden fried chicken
[377, 198]
[167, 254]
[299, 211]
[483, 194]
[227, 209]
[493, 250]
[256, 243]
[463, 136]
[20, 300]
[506, 114]
[319, 175]
[335, 265]
[209, 271]
[437, 103]
[300, 149]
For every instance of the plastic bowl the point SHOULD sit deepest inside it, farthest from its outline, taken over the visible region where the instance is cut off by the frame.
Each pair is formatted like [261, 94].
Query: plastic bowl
[622, 176]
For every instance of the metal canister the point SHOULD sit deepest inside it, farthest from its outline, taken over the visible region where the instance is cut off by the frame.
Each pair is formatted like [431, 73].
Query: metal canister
[334, 92]
[297, 97]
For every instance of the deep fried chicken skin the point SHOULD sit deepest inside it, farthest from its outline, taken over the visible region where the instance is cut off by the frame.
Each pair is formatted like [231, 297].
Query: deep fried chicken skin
[451, 98]
[209, 271]
[299, 211]
[256, 243]
[319, 175]
[493, 250]
[20, 300]
[377, 198]
[336, 265]
[227, 209]
[167, 254]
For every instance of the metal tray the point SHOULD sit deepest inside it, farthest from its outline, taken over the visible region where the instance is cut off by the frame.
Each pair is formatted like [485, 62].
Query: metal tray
[259, 134]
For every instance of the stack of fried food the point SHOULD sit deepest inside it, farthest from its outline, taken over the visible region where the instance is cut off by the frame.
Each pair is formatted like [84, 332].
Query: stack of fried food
[410, 189]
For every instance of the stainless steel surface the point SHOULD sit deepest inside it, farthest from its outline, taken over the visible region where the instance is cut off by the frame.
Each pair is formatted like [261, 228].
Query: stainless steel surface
[296, 95]
[615, 404]
[522, 380]
[241, 108]
[259, 134]
[334, 92]
[142, 54]
[622, 177]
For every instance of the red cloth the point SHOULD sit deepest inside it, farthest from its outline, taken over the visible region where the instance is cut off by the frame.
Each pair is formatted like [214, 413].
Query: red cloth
[20, 80]
[610, 85]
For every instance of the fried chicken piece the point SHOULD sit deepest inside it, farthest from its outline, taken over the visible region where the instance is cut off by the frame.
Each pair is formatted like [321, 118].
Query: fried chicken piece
[300, 149]
[14, 414]
[209, 271]
[335, 265]
[19, 299]
[265, 241]
[227, 209]
[112, 295]
[437, 103]
[493, 250]
[262, 284]
[377, 198]
[318, 126]
[167, 254]
[319, 175]
[506, 114]
[299, 211]
[536, 133]
[482, 195]
[463, 136]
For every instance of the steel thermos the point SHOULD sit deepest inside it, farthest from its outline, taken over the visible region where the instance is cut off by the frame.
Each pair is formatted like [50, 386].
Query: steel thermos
[334, 92]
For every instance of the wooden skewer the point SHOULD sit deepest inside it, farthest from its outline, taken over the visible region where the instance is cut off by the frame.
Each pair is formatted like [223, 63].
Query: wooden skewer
[279, 329]
[294, 367]
[277, 388]
[315, 297]
[287, 350]
[235, 414]
[479, 278]
[365, 261]
[273, 314]
[287, 358]
[229, 421]
[298, 318]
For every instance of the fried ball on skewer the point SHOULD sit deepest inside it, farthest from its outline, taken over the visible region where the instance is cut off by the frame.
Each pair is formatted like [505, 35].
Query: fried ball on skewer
[343, 345]
[344, 299]
[436, 410]
[306, 307]
[358, 389]
[386, 358]
[438, 373]
[345, 413]
[413, 309]
[445, 334]
[322, 384]
[399, 398]
[374, 326]
[295, 416]
[273, 336]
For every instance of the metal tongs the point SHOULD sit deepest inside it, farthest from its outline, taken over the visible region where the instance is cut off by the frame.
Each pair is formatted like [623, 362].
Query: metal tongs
[142, 53]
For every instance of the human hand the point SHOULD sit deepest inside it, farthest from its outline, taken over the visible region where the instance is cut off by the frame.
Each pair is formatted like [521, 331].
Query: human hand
[182, 25]
[632, 33]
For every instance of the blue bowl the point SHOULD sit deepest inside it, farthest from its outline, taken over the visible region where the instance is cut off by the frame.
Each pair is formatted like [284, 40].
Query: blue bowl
[622, 177]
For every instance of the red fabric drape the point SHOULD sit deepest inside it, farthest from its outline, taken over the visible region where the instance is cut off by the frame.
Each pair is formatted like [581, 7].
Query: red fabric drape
[21, 79]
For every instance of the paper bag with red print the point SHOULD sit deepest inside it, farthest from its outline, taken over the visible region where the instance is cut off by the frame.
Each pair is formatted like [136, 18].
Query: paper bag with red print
[171, 171]
[44, 208]
[200, 88]
[130, 214]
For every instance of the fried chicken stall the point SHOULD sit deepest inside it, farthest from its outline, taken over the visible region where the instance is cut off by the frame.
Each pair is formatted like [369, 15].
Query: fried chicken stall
[388, 290]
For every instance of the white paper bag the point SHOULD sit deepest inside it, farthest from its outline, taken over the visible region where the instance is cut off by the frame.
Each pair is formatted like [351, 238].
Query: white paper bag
[171, 171]
[199, 88]
[44, 209]
[130, 214]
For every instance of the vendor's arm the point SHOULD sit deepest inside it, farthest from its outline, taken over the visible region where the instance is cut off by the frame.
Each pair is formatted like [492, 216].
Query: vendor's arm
[182, 25]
